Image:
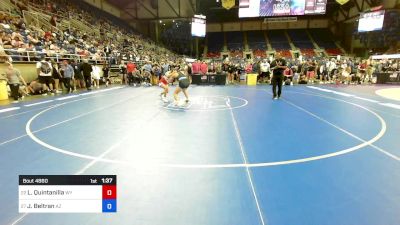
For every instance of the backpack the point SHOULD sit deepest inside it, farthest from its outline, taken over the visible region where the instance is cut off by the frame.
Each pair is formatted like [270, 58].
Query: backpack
[45, 67]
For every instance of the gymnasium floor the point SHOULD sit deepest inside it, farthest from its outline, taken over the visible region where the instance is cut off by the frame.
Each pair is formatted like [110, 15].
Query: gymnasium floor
[321, 155]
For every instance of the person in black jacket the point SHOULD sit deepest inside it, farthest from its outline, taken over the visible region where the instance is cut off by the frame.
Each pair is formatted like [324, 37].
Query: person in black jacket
[56, 76]
[78, 78]
[86, 69]
[278, 66]
[106, 71]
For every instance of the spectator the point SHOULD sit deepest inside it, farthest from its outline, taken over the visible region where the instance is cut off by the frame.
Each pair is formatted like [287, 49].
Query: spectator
[288, 76]
[165, 67]
[56, 76]
[44, 72]
[196, 66]
[68, 75]
[264, 69]
[96, 75]
[122, 72]
[156, 74]
[147, 67]
[36, 87]
[78, 77]
[130, 69]
[53, 21]
[86, 70]
[4, 56]
[14, 78]
[203, 68]
[17, 42]
[106, 71]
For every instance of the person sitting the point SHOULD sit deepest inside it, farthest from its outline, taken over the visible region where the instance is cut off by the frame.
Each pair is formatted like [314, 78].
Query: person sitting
[288, 76]
[146, 78]
[37, 88]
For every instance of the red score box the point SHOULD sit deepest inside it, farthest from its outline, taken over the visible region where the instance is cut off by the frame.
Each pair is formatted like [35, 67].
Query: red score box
[109, 192]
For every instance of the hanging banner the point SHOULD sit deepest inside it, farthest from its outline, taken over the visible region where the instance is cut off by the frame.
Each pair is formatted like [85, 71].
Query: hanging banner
[342, 2]
[228, 4]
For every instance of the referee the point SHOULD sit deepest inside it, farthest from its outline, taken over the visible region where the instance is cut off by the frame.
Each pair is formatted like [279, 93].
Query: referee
[278, 66]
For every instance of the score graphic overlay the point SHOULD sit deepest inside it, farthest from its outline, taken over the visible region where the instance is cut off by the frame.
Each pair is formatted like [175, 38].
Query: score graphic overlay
[67, 193]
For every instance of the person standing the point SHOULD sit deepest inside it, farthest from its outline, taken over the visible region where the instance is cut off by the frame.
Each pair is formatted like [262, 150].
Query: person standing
[86, 70]
[156, 74]
[264, 68]
[183, 84]
[203, 68]
[44, 72]
[56, 76]
[122, 72]
[311, 67]
[14, 77]
[165, 67]
[106, 71]
[68, 75]
[96, 75]
[196, 67]
[130, 69]
[78, 77]
[231, 69]
[278, 66]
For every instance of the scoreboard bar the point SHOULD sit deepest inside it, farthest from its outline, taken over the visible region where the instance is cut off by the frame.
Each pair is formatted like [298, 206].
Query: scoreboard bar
[67, 193]
[67, 179]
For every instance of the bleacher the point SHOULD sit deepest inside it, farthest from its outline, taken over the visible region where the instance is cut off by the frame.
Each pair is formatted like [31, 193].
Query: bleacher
[81, 31]
[323, 38]
[215, 44]
[234, 40]
[278, 40]
[308, 52]
[256, 40]
[333, 51]
[300, 39]
[285, 53]
[259, 53]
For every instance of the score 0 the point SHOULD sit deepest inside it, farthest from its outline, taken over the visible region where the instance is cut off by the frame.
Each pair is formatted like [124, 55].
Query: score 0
[109, 198]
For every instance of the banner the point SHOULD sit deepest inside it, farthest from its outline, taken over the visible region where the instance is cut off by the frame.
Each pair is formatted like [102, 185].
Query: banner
[342, 2]
[228, 4]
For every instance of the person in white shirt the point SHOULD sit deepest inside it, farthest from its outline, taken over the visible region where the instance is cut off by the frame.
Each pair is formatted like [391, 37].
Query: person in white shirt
[331, 66]
[44, 71]
[323, 73]
[96, 75]
[265, 70]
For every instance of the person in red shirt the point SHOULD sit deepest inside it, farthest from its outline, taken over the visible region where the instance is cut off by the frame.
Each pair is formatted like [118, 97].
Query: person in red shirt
[362, 68]
[204, 68]
[196, 67]
[288, 74]
[130, 69]
[47, 35]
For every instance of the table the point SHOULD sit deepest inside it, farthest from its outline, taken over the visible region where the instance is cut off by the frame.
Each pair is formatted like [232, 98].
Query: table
[387, 77]
[209, 79]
